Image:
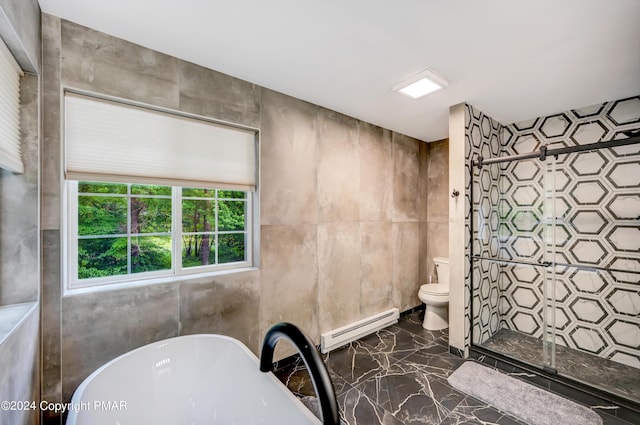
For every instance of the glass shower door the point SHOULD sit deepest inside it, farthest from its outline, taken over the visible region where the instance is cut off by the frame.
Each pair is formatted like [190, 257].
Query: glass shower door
[549, 275]
[556, 262]
[513, 231]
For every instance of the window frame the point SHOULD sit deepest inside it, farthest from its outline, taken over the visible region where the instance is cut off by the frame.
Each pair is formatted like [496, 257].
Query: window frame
[72, 284]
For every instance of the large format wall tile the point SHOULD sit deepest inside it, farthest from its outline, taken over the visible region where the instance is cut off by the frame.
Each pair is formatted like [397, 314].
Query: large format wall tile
[438, 182]
[98, 328]
[405, 178]
[289, 278]
[19, 365]
[437, 245]
[19, 222]
[214, 94]
[338, 168]
[405, 264]
[100, 63]
[307, 154]
[376, 263]
[288, 158]
[50, 146]
[338, 275]
[226, 304]
[51, 310]
[376, 173]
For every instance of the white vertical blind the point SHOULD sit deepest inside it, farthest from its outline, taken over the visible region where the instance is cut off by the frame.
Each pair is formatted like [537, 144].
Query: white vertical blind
[112, 141]
[10, 72]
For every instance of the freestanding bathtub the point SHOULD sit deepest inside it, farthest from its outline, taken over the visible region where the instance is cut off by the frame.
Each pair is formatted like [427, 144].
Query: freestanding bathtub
[195, 379]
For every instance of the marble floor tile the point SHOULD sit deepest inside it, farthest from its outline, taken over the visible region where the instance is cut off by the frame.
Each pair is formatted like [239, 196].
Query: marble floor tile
[474, 412]
[413, 323]
[396, 342]
[437, 364]
[357, 361]
[411, 395]
[358, 409]
[399, 376]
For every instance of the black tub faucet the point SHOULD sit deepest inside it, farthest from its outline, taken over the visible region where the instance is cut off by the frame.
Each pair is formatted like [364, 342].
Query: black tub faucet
[319, 375]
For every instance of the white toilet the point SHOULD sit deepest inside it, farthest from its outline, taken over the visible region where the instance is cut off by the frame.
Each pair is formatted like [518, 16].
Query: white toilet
[435, 296]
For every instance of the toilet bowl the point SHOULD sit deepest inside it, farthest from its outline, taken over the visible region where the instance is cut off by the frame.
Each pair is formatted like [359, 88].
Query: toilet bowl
[436, 298]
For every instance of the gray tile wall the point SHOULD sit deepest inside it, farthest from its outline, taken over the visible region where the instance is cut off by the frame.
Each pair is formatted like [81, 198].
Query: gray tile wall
[20, 30]
[19, 220]
[20, 263]
[19, 250]
[436, 231]
[343, 205]
[19, 369]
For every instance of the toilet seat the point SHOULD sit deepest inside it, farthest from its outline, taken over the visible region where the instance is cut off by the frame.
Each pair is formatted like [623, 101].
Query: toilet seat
[435, 289]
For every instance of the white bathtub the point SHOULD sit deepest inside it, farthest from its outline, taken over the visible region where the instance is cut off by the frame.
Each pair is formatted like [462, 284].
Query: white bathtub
[195, 379]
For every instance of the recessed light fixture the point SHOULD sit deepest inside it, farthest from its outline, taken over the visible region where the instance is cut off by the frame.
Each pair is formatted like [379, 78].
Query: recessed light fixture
[420, 84]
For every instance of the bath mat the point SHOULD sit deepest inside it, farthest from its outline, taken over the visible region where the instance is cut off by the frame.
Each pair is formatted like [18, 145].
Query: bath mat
[525, 401]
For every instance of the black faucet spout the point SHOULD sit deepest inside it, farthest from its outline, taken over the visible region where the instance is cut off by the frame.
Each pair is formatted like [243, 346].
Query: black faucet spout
[319, 375]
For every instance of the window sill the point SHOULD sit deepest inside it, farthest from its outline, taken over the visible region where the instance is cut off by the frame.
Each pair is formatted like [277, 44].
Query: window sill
[70, 292]
[12, 316]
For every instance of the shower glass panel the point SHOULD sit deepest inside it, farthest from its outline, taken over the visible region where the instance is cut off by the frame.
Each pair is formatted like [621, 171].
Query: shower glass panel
[513, 228]
[556, 264]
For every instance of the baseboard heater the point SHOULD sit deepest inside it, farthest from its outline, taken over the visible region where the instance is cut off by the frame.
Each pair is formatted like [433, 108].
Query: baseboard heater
[353, 331]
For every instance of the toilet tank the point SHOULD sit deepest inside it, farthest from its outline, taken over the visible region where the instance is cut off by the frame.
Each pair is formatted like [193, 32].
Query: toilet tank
[442, 269]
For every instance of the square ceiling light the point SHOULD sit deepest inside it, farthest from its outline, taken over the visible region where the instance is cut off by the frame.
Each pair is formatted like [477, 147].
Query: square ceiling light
[421, 84]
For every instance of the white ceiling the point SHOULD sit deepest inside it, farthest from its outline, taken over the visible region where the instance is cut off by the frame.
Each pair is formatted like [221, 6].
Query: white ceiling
[512, 59]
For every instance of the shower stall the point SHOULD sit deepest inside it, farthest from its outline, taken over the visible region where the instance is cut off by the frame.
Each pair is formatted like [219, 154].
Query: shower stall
[555, 258]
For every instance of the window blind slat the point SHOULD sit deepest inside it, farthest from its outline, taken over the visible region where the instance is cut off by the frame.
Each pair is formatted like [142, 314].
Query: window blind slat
[111, 141]
[10, 146]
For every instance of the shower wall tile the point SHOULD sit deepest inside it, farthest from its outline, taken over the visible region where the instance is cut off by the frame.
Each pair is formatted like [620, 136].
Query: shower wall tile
[98, 328]
[405, 178]
[594, 194]
[213, 94]
[406, 245]
[100, 63]
[225, 304]
[289, 279]
[338, 168]
[483, 138]
[376, 173]
[597, 195]
[376, 263]
[288, 160]
[338, 275]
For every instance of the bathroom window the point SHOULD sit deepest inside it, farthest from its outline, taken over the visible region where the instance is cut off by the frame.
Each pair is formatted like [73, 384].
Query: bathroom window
[122, 232]
[153, 194]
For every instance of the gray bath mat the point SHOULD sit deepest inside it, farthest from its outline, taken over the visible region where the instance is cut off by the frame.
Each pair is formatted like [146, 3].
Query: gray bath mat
[527, 402]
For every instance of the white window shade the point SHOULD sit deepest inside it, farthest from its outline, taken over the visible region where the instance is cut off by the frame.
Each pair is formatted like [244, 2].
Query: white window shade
[116, 142]
[10, 72]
